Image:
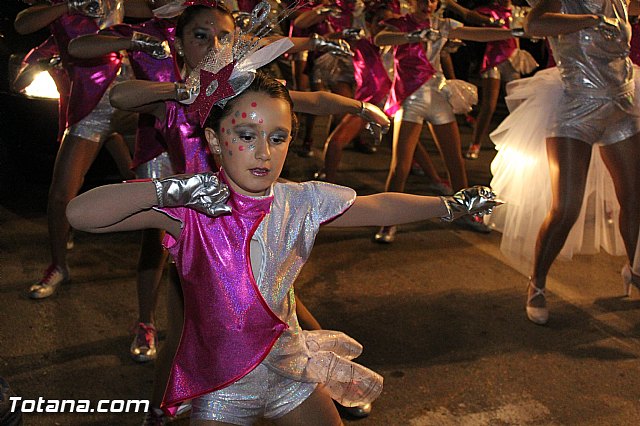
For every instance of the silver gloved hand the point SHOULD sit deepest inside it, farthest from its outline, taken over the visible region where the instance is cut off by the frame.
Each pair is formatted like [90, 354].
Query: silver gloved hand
[150, 45]
[377, 121]
[352, 34]
[335, 47]
[427, 34]
[90, 8]
[610, 27]
[186, 94]
[477, 200]
[202, 192]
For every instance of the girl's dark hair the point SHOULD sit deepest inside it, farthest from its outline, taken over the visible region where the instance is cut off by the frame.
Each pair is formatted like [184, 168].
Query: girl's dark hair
[190, 12]
[262, 83]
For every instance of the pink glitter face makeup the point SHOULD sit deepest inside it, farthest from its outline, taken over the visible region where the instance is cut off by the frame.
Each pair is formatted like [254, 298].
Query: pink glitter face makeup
[260, 127]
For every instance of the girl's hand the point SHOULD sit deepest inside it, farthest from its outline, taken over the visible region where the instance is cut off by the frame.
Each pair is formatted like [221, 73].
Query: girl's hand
[90, 8]
[150, 45]
[477, 200]
[202, 192]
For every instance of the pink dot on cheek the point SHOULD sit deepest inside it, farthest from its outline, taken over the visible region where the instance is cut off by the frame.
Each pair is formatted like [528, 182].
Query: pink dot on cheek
[233, 121]
[253, 104]
[241, 148]
[244, 115]
[261, 121]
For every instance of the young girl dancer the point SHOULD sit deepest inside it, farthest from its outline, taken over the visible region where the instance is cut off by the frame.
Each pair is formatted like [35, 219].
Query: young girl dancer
[372, 85]
[497, 64]
[588, 101]
[90, 120]
[419, 93]
[238, 261]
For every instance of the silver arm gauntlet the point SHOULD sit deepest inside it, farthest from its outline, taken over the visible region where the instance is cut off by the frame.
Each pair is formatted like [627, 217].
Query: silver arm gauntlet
[335, 47]
[427, 34]
[377, 121]
[202, 192]
[90, 8]
[150, 45]
[477, 200]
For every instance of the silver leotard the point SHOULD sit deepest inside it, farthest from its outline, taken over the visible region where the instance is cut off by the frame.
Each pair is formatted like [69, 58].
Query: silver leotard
[598, 105]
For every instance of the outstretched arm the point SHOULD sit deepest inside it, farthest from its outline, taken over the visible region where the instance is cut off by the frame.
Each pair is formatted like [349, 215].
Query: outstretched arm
[119, 207]
[327, 103]
[96, 45]
[390, 208]
[144, 96]
[394, 208]
[469, 16]
[545, 20]
[37, 17]
[483, 34]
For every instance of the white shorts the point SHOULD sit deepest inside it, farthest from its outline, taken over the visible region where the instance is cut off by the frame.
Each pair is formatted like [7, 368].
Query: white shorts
[262, 393]
[427, 103]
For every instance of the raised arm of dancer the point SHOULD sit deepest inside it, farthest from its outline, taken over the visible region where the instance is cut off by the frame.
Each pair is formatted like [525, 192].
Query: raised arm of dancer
[37, 17]
[312, 17]
[138, 9]
[482, 34]
[327, 103]
[96, 45]
[144, 96]
[119, 207]
[390, 36]
[395, 208]
[469, 16]
[390, 208]
[545, 19]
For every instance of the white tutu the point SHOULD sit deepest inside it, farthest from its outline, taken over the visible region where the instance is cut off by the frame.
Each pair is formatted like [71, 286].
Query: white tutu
[521, 178]
[329, 362]
[461, 95]
[522, 61]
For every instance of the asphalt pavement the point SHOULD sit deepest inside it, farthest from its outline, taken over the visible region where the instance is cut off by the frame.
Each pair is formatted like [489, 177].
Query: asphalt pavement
[440, 314]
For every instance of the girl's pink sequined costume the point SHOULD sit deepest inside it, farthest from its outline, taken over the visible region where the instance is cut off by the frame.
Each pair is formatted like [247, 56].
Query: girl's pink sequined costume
[89, 78]
[497, 52]
[149, 142]
[411, 67]
[236, 317]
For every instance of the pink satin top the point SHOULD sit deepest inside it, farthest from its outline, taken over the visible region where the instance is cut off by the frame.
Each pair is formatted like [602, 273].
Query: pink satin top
[411, 67]
[497, 52]
[233, 318]
[372, 81]
[89, 78]
[185, 141]
[149, 143]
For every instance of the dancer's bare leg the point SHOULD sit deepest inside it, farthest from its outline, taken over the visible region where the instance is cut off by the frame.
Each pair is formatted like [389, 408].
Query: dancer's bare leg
[568, 166]
[74, 158]
[488, 102]
[405, 138]
[447, 138]
[621, 160]
[349, 128]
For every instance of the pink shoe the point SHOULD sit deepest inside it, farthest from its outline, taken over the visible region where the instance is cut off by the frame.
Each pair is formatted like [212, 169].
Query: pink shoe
[145, 342]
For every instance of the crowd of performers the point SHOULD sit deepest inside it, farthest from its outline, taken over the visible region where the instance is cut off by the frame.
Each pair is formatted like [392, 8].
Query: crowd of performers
[201, 135]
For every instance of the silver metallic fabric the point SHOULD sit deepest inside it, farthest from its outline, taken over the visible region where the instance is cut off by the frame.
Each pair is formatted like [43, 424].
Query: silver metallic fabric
[91, 8]
[202, 192]
[335, 47]
[477, 200]
[158, 49]
[598, 104]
